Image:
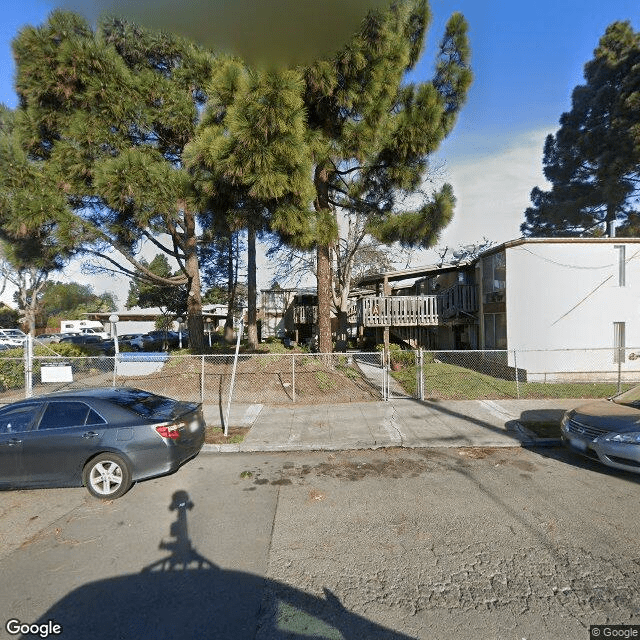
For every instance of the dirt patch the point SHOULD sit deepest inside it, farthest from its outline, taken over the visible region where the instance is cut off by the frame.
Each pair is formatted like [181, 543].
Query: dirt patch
[215, 435]
[477, 453]
[264, 379]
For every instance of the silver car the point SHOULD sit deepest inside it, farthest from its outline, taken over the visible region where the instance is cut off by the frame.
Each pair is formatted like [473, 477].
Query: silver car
[606, 430]
[104, 439]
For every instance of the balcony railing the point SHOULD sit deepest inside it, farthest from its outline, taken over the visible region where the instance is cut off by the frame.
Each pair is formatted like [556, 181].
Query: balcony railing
[399, 311]
[403, 311]
[305, 314]
[458, 298]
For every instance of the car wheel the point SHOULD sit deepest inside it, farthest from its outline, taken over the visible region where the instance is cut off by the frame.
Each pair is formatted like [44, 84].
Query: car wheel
[107, 476]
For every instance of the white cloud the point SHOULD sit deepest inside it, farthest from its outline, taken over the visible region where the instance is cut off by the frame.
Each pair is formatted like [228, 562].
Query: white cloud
[492, 192]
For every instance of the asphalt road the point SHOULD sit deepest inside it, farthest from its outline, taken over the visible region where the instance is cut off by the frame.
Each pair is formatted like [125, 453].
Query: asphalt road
[432, 543]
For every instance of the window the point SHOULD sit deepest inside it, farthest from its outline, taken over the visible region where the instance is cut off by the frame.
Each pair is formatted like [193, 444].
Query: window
[494, 277]
[495, 330]
[16, 419]
[59, 415]
[621, 264]
[618, 342]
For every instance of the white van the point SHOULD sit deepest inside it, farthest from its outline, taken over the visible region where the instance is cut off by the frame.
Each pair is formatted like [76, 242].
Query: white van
[83, 327]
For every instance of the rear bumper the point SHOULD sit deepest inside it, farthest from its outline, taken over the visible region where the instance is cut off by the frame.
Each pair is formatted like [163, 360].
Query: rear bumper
[151, 463]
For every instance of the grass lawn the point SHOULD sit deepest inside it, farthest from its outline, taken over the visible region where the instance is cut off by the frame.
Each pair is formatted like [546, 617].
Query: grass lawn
[450, 382]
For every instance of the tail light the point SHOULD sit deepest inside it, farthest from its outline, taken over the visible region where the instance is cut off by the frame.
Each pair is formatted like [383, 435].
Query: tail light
[170, 430]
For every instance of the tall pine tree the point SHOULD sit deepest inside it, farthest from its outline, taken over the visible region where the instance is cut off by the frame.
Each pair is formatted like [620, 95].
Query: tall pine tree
[371, 133]
[593, 161]
[110, 113]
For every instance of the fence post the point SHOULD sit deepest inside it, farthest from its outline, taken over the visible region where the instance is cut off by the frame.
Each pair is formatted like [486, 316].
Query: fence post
[515, 366]
[239, 327]
[202, 380]
[28, 366]
[420, 374]
[386, 373]
[619, 373]
[293, 377]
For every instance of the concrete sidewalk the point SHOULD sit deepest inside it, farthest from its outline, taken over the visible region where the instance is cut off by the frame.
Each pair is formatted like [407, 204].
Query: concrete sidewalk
[396, 423]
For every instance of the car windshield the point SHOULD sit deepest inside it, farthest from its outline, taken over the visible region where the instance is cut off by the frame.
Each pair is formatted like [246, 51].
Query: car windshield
[630, 397]
[144, 403]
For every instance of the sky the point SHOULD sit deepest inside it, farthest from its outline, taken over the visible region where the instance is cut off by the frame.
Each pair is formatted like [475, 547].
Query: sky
[526, 58]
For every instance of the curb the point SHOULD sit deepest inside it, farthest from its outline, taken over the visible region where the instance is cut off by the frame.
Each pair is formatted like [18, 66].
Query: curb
[358, 446]
[530, 439]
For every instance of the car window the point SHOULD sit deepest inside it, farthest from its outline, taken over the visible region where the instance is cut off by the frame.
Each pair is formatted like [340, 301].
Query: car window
[59, 415]
[144, 403]
[16, 419]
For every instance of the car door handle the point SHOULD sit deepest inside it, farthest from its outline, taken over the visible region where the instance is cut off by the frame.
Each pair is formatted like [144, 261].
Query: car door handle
[14, 442]
[89, 434]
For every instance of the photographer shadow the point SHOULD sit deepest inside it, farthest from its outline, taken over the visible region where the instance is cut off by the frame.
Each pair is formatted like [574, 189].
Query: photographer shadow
[184, 595]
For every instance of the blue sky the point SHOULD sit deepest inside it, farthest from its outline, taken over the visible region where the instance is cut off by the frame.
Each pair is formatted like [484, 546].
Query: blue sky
[526, 58]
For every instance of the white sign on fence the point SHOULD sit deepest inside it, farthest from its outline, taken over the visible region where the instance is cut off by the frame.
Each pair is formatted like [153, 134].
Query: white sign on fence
[56, 373]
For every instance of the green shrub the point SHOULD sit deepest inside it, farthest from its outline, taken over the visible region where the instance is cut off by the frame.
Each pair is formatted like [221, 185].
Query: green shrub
[11, 369]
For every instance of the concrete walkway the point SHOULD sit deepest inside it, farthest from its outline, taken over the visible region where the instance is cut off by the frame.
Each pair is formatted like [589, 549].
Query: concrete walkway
[396, 423]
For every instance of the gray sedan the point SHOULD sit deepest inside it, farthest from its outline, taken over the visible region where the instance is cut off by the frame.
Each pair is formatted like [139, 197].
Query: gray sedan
[104, 439]
[606, 430]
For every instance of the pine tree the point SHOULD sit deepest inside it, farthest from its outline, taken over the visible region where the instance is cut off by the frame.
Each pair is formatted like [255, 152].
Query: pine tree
[253, 163]
[371, 133]
[345, 133]
[593, 161]
[33, 219]
[110, 112]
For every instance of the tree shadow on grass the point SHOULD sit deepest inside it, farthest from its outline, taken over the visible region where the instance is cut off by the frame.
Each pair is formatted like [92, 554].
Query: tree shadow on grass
[184, 595]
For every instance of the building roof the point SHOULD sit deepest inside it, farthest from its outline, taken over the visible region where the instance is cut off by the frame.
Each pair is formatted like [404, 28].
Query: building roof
[151, 313]
[427, 270]
[414, 272]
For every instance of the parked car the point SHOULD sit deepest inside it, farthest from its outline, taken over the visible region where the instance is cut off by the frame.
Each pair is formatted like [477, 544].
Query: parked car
[12, 337]
[156, 340]
[103, 438]
[134, 340]
[606, 430]
[95, 343]
[48, 338]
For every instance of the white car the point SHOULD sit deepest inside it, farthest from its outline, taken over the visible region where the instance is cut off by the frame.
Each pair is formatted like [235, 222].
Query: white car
[12, 337]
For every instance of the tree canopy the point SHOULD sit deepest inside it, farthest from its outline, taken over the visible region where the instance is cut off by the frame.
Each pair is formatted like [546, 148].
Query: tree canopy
[371, 134]
[108, 113]
[593, 161]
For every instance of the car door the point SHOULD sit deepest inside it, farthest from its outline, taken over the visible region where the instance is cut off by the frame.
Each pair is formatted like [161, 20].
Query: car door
[15, 423]
[67, 434]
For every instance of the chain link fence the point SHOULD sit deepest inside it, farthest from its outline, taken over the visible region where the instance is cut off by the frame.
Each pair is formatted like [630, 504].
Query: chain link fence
[259, 378]
[561, 373]
[318, 378]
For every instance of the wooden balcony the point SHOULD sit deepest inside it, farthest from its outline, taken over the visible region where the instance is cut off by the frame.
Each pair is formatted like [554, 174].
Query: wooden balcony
[398, 311]
[305, 314]
[403, 311]
[460, 298]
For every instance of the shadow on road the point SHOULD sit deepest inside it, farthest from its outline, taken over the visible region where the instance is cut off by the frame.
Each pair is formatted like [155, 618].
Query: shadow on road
[184, 595]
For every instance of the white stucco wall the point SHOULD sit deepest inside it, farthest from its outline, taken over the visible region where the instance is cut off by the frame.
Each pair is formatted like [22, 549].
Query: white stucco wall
[567, 296]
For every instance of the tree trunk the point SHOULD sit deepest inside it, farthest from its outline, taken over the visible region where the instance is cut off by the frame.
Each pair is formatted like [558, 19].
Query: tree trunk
[610, 222]
[323, 267]
[343, 324]
[252, 315]
[231, 288]
[194, 294]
